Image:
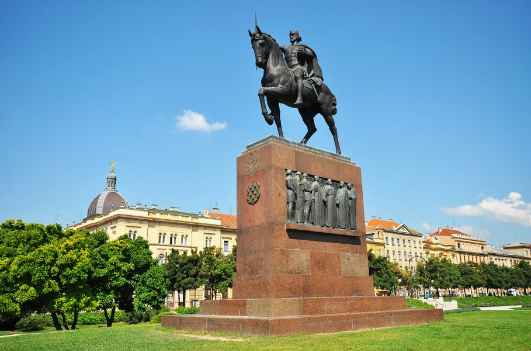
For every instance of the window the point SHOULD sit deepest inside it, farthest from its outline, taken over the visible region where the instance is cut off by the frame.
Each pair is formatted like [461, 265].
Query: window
[420, 243]
[405, 256]
[171, 240]
[409, 243]
[208, 242]
[414, 243]
[226, 245]
[404, 242]
[398, 242]
[184, 239]
[409, 254]
[458, 245]
[399, 255]
[393, 255]
[421, 255]
[164, 238]
[387, 240]
[392, 241]
[387, 253]
[132, 235]
[380, 252]
[161, 259]
[160, 238]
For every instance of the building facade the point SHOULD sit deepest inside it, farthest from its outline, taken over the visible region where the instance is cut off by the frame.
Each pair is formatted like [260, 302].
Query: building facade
[459, 247]
[402, 244]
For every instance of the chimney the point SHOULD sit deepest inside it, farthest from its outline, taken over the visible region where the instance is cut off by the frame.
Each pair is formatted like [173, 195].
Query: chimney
[138, 205]
[439, 229]
[205, 212]
[174, 209]
[391, 220]
[154, 207]
[215, 209]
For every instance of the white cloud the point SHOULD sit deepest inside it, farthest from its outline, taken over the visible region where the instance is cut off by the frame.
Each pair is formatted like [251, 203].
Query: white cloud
[191, 120]
[476, 231]
[512, 209]
[428, 227]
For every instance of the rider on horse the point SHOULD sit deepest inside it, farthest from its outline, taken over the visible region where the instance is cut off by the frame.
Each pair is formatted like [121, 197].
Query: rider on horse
[302, 61]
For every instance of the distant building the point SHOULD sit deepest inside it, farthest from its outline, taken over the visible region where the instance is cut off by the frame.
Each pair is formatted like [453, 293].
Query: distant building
[522, 249]
[456, 245]
[164, 229]
[401, 244]
[507, 257]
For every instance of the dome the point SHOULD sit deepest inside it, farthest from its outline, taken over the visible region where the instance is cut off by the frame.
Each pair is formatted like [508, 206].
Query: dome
[108, 200]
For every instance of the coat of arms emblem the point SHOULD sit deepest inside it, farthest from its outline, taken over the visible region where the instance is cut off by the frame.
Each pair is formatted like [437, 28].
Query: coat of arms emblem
[253, 193]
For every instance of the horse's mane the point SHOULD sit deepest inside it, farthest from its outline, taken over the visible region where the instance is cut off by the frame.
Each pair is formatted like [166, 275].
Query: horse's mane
[270, 37]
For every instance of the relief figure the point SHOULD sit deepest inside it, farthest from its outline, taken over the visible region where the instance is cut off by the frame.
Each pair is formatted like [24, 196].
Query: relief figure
[342, 201]
[352, 207]
[329, 198]
[291, 196]
[317, 210]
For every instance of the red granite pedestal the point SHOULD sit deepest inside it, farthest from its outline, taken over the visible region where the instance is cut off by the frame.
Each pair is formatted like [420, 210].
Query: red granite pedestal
[294, 278]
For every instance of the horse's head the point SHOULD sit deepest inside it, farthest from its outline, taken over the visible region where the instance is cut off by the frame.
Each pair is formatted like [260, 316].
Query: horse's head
[261, 47]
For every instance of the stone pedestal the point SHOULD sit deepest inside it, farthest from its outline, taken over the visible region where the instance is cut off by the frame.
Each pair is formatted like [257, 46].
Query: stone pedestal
[296, 278]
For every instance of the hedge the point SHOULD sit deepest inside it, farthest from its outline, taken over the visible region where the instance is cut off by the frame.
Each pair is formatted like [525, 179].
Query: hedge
[487, 301]
[414, 303]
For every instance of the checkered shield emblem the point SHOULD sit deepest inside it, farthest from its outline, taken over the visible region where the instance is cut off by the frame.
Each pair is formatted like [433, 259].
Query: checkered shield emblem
[253, 193]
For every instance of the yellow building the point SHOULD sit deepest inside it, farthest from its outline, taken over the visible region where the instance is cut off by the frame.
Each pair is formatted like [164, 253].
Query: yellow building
[164, 229]
[375, 240]
[457, 246]
[401, 244]
[521, 249]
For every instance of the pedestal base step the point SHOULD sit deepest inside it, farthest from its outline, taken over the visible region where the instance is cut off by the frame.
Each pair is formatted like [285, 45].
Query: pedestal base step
[302, 306]
[290, 325]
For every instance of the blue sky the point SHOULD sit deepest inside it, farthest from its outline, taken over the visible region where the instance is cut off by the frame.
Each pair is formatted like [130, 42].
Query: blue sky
[434, 104]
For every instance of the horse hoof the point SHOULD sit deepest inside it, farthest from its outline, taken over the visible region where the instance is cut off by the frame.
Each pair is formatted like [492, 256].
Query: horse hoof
[269, 119]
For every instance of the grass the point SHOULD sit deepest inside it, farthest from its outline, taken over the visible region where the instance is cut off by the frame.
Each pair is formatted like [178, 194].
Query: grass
[492, 330]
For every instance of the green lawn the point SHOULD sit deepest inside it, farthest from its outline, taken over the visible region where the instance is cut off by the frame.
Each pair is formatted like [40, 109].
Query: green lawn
[479, 330]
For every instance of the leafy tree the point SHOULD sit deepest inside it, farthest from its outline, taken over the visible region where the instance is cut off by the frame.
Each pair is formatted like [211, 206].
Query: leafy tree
[525, 268]
[44, 269]
[217, 270]
[471, 277]
[380, 269]
[183, 271]
[119, 267]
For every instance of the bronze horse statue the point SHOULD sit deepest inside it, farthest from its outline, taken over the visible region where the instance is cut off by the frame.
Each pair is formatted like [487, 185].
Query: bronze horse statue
[278, 85]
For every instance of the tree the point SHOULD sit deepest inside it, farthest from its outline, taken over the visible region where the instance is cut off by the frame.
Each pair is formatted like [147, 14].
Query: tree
[471, 276]
[183, 271]
[44, 269]
[119, 267]
[380, 269]
[217, 270]
[525, 268]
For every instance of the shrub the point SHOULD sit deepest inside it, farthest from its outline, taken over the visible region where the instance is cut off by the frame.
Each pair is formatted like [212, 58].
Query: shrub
[487, 301]
[138, 317]
[414, 303]
[31, 323]
[158, 318]
[187, 310]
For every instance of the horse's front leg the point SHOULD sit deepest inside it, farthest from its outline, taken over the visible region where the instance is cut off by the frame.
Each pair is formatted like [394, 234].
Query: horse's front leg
[275, 111]
[261, 95]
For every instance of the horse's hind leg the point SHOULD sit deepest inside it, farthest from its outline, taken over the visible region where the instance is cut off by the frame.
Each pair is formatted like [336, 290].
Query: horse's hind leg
[275, 112]
[332, 125]
[307, 115]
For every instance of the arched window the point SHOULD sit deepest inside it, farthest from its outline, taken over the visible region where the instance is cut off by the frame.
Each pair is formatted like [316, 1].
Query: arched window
[161, 259]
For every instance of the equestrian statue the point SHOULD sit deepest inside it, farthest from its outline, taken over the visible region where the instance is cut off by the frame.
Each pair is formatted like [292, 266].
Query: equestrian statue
[296, 82]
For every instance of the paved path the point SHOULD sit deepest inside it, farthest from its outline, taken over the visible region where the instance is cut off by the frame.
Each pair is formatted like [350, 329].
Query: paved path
[498, 308]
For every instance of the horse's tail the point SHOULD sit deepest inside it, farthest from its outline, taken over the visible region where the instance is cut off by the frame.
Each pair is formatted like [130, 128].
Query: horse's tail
[334, 105]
